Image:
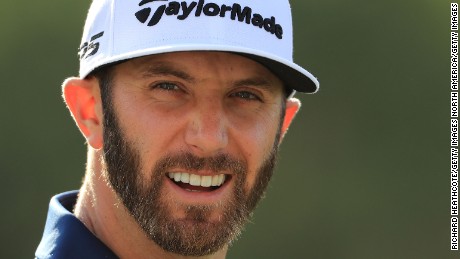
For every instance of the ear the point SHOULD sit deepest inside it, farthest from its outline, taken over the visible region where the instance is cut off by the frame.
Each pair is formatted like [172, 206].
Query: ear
[83, 99]
[292, 107]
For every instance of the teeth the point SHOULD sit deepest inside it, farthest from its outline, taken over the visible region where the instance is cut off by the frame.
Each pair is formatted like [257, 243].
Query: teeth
[177, 177]
[215, 180]
[184, 177]
[206, 181]
[221, 179]
[197, 180]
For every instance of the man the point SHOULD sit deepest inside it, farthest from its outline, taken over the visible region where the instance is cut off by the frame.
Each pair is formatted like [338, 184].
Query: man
[183, 105]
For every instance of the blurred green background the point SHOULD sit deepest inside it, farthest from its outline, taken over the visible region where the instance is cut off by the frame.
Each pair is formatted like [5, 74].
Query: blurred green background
[363, 173]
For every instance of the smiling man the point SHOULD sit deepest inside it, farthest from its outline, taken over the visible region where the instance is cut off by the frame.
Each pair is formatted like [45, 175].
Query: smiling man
[183, 106]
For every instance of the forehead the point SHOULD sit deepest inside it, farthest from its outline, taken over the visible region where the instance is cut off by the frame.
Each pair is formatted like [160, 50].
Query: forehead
[201, 65]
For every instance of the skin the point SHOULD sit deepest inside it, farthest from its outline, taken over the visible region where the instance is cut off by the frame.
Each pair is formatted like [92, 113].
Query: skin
[205, 103]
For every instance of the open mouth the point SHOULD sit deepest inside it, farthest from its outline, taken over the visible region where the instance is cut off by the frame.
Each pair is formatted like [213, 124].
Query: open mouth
[198, 183]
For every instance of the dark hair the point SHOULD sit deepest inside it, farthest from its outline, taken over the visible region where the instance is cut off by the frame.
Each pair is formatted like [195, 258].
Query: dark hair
[104, 75]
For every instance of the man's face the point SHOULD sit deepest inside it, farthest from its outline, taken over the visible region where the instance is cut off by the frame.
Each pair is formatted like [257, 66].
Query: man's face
[190, 141]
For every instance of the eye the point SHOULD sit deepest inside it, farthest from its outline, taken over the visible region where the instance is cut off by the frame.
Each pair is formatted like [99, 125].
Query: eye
[246, 95]
[167, 86]
[167, 91]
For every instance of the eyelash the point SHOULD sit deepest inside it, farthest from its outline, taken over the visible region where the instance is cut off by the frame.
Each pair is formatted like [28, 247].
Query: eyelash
[246, 95]
[169, 86]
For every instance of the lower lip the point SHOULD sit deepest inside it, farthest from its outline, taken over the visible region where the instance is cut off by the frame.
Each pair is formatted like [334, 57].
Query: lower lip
[199, 197]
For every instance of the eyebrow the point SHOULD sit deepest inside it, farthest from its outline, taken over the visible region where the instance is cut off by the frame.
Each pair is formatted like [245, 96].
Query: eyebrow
[259, 82]
[165, 69]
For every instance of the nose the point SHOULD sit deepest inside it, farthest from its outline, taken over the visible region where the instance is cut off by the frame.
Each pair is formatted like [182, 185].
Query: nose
[206, 132]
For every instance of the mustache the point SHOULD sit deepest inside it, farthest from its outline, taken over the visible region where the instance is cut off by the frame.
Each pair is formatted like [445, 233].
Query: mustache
[189, 161]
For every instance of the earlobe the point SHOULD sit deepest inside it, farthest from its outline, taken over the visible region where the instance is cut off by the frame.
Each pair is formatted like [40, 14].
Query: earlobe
[82, 97]
[292, 107]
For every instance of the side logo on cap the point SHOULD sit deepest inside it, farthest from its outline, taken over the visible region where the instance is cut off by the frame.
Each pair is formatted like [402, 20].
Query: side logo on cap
[183, 10]
[90, 47]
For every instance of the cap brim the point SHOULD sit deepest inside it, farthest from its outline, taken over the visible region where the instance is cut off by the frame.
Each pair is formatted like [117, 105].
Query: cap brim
[294, 76]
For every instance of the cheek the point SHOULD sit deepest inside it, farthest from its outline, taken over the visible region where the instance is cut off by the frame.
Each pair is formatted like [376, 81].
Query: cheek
[257, 141]
[150, 131]
[260, 129]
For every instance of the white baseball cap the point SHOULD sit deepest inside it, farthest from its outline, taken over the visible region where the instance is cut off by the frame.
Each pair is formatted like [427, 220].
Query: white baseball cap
[117, 30]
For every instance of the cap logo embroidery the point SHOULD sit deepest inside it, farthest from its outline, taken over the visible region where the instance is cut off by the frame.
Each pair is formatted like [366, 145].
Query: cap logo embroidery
[182, 11]
[91, 47]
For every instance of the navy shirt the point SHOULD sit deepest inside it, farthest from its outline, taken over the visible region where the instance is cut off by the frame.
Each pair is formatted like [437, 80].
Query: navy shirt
[67, 237]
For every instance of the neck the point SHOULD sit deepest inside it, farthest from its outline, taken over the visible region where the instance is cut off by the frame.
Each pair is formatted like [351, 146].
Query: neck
[102, 212]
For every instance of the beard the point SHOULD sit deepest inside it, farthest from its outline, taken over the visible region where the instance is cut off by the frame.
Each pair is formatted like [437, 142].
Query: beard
[195, 234]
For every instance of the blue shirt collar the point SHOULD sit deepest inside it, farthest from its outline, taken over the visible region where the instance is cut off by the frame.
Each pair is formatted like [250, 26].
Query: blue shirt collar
[65, 236]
